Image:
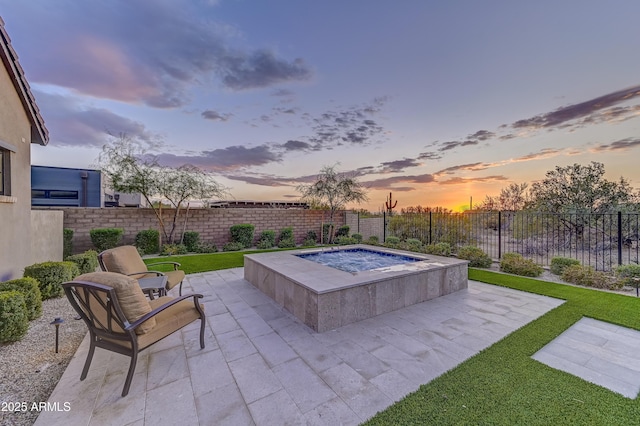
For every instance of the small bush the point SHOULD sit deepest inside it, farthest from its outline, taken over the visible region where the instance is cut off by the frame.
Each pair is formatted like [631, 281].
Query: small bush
[67, 242]
[191, 240]
[343, 231]
[475, 255]
[287, 242]
[627, 273]
[344, 240]
[233, 246]
[392, 242]
[439, 249]
[106, 238]
[243, 234]
[514, 263]
[148, 241]
[589, 277]
[86, 262]
[14, 321]
[286, 233]
[207, 248]
[312, 235]
[50, 276]
[558, 264]
[29, 288]
[267, 239]
[173, 249]
[309, 242]
[413, 244]
[326, 230]
[357, 237]
[373, 240]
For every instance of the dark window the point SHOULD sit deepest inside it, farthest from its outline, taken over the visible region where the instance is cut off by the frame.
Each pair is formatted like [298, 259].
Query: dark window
[54, 194]
[5, 172]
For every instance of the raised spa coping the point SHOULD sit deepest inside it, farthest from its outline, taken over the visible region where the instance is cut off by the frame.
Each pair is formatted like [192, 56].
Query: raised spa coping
[325, 298]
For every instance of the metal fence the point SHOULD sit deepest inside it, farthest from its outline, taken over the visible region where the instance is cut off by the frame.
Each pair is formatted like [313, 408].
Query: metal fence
[600, 240]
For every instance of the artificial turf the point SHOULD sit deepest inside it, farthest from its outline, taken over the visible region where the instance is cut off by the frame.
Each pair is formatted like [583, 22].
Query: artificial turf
[503, 385]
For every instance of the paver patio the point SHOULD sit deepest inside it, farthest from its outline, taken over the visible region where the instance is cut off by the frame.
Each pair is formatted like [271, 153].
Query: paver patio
[262, 366]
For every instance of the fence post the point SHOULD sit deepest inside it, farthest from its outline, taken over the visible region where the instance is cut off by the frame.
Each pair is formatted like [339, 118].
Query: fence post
[619, 238]
[430, 237]
[384, 226]
[499, 234]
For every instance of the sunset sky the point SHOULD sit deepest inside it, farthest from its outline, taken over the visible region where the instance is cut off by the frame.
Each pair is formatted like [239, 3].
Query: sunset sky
[435, 101]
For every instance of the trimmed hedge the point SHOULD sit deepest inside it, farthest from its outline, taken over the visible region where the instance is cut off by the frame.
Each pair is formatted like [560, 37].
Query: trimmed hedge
[589, 277]
[191, 240]
[28, 286]
[67, 242]
[267, 239]
[86, 262]
[147, 241]
[14, 321]
[242, 234]
[439, 249]
[627, 273]
[106, 238]
[50, 276]
[232, 246]
[343, 231]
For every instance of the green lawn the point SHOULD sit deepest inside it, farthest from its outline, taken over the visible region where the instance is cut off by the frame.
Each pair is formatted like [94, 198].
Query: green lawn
[502, 385]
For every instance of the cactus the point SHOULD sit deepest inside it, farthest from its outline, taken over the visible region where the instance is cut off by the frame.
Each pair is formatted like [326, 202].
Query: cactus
[390, 204]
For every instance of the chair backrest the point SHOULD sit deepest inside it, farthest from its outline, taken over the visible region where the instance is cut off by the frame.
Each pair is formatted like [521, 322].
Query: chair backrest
[98, 306]
[123, 260]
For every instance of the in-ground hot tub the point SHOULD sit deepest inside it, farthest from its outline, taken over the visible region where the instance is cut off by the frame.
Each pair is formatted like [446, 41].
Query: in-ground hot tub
[325, 297]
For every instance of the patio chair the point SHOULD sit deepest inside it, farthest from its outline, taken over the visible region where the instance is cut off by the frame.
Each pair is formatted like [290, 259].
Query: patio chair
[121, 319]
[126, 260]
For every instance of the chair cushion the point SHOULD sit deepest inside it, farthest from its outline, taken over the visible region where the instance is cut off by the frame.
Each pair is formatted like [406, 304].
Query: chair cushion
[174, 278]
[124, 260]
[131, 299]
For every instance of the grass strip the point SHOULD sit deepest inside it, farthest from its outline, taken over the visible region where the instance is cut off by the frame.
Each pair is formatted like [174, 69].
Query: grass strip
[502, 385]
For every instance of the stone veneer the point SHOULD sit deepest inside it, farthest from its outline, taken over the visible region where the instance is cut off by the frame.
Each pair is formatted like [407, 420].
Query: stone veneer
[326, 298]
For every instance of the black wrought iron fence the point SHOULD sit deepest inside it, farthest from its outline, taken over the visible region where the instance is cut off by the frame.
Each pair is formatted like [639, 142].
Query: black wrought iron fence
[600, 240]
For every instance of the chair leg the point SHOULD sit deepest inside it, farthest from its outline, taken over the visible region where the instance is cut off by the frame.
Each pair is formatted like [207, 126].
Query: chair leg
[202, 323]
[87, 363]
[132, 369]
[180, 289]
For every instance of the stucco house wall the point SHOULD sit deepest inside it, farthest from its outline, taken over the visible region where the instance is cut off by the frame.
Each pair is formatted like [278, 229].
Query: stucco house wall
[20, 125]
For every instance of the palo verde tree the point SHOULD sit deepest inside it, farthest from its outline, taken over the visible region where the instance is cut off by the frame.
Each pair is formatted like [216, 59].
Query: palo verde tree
[334, 190]
[129, 168]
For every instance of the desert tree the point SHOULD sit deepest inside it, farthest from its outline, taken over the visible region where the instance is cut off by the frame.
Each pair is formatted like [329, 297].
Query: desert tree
[130, 168]
[334, 190]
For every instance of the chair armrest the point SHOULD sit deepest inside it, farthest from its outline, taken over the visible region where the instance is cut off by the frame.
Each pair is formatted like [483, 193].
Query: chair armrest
[158, 273]
[156, 311]
[175, 264]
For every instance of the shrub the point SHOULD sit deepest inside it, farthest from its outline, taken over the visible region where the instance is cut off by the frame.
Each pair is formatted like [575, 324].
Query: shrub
[243, 234]
[627, 273]
[309, 242]
[67, 242]
[326, 229]
[106, 238]
[147, 241]
[558, 264]
[392, 242]
[312, 235]
[86, 262]
[286, 233]
[475, 255]
[14, 321]
[344, 240]
[343, 231]
[233, 246]
[439, 249]
[286, 242]
[267, 239]
[373, 240]
[207, 248]
[357, 237]
[413, 244]
[589, 277]
[50, 276]
[514, 263]
[28, 286]
[191, 240]
[173, 249]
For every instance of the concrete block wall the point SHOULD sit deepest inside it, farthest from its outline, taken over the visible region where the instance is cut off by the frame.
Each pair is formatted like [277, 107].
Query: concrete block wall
[212, 224]
[365, 226]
